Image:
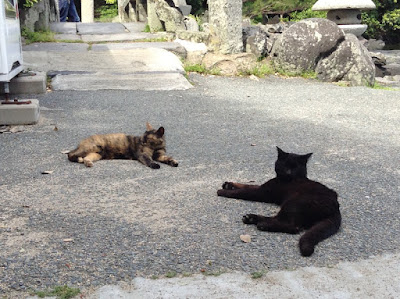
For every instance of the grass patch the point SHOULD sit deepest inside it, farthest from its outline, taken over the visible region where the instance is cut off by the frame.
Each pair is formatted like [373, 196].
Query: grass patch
[60, 292]
[257, 274]
[260, 70]
[201, 69]
[171, 274]
[38, 36]
[146, 28]
[215, 273]
[379, 86]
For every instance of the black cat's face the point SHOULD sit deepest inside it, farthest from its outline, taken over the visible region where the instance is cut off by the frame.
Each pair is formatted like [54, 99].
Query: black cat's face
[290, 166]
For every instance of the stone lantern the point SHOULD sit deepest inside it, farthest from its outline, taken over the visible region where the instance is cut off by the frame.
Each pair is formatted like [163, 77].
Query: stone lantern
[346, 13]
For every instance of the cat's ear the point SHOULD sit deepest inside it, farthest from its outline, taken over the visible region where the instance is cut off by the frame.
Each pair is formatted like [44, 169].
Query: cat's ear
[306, 157]
[281, 153]
[160, 132]
[148, 127]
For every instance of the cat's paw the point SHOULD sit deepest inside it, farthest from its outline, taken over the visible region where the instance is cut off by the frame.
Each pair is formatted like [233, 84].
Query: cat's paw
[228, 186]
[173, 163]
[154, 166]
[250, 219]
[88, 163]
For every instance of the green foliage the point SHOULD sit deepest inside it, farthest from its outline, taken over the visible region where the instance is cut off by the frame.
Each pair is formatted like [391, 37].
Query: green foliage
[105, 13]
[384, 21]
[146, 28]
[306, 14]
[255, 8]
[257, 275]
[60, 292]
[37, 37]
[171, 274]
[29, 3]
[198, 6]
[201, 69]
[260, 70]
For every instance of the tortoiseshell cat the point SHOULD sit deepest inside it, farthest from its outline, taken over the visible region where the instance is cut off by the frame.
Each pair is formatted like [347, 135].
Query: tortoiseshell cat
[146, 149]
[305, 204]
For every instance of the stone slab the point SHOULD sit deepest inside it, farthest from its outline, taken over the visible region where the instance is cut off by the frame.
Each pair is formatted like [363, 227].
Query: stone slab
[29, 84]
[119, 81]
[57, 47]
[124, 61]
[64, 27]
[24, 114]
[135, 26]
[171, 46]
[74, 37]
[119, 37]
[100, 28]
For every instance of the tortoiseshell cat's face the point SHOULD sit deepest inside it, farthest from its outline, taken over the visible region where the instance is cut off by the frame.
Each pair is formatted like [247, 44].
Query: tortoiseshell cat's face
[154, 138]
[290, 166]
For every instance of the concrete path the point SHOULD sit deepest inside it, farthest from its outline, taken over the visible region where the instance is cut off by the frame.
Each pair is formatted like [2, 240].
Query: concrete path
[275, 111]
[127, 65]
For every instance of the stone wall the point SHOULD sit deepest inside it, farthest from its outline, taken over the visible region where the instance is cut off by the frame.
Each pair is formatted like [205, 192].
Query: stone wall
[39, 16]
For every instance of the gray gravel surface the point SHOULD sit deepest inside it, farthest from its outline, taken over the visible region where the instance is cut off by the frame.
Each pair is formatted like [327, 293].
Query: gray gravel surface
[88, 227]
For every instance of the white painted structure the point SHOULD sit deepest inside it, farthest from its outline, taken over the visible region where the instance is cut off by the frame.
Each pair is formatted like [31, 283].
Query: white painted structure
[10, 41]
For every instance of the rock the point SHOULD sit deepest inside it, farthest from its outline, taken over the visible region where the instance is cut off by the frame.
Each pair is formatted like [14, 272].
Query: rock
[255, 41]
[379, 60]
[245, 238]
[300, 46]
[350, 62]
[373, 44]
[231, 64]
[194, 51]
[171, 18]
[191, 24]
[39, 16]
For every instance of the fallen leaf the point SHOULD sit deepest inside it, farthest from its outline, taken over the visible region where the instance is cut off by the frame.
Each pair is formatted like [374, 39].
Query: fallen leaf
[47, 172]
[245, 238]
[55, 128]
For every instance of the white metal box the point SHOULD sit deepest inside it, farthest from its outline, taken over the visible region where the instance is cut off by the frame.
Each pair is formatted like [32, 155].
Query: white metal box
[10, 41]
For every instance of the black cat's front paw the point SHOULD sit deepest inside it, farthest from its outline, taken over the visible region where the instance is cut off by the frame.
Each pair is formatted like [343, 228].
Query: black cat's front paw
[154, 166]
[227, 186]
[250, 219]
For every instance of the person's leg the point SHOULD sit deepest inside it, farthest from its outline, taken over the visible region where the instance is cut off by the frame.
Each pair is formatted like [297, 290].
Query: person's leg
[63, 5]
[72, 13]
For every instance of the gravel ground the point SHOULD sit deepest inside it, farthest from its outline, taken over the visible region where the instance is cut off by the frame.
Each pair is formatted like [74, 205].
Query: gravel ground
[88, 227]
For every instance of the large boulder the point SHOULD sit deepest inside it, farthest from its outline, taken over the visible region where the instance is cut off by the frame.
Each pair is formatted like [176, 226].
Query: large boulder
[166, 14]
[350, 62]
[301, 46]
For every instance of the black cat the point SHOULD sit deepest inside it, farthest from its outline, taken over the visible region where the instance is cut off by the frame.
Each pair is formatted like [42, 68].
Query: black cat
[305, 204]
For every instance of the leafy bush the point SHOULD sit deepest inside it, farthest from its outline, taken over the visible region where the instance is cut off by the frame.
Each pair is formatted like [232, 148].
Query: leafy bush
[384, 22]
[29, 3]
[306, 14]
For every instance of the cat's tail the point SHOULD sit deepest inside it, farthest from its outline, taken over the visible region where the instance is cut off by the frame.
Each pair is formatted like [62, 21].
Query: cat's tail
[319, 232]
